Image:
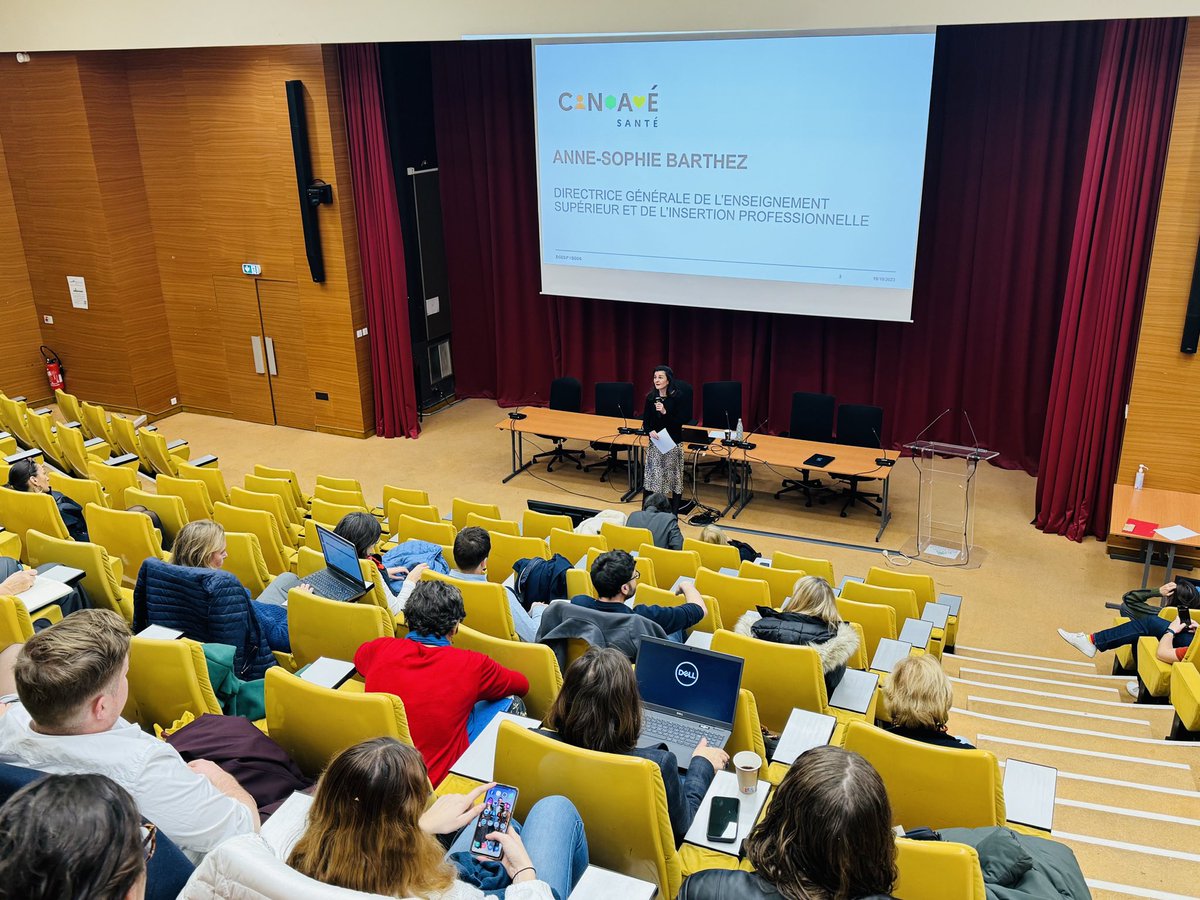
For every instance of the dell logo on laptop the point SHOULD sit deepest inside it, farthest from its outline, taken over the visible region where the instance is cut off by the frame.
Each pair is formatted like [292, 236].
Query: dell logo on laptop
[687, 674]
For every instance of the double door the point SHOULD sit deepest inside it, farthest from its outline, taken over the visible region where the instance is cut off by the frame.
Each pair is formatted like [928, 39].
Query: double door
[266, 357]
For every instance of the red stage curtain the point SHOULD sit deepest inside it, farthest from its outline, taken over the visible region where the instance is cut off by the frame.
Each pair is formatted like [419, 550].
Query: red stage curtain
[1110, 258]
[381, 245]
[1008, 127]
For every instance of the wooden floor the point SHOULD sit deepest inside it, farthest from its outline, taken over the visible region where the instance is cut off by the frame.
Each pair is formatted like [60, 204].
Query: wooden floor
[1136, 834]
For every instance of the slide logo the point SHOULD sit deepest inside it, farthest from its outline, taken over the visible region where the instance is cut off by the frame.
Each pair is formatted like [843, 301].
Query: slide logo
[687, 674]
[603, 101]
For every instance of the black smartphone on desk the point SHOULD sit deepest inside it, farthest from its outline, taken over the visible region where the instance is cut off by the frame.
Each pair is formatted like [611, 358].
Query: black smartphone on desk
[723, 820]
[1185, 617]
[498, 805]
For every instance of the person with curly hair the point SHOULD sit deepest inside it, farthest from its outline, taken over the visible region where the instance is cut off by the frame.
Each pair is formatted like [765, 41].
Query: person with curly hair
[440, 685]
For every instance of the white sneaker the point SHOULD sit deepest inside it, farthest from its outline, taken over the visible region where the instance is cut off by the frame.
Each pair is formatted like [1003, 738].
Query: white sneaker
[1132, 688]
[1079, 641]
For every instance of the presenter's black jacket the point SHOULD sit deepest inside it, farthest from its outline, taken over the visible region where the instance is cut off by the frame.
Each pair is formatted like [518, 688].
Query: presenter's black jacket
[671, 421]
[728, 884]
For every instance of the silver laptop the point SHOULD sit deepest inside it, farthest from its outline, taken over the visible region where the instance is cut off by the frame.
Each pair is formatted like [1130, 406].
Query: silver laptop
[687, 694]
[342, 578]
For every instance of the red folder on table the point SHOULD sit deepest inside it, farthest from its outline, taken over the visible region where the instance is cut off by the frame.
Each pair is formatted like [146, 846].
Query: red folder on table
[1138, 528]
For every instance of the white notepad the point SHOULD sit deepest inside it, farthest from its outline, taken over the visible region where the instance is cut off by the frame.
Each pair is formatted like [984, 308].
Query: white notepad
[327, 673]
[916, 632]
[701, 639]
[804, 730]
[725, 570]
[1029, 792]
[604, 884]
[286, 824]
[682, 580]
[845, 578]
[954, 601]
[725, 785]
[936, 614]
[763, 561]
[63, 574]
[888, 653]
[479, 759]
[160, 633]
[44, 592]
[855, 691]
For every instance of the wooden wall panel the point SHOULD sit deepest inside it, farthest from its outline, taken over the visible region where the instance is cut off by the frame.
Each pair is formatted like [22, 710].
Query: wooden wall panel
[1162, 429]
[21, 371]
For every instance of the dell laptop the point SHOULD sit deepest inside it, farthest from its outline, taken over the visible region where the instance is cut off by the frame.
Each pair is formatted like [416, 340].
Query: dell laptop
[342, 578]
[687, 694]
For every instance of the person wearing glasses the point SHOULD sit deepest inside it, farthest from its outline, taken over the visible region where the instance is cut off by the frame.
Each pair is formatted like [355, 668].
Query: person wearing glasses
[74, 836]
[615, 577]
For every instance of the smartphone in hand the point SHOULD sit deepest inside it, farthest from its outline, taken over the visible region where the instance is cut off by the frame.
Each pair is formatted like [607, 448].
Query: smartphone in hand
[498, 805]
[723, 820]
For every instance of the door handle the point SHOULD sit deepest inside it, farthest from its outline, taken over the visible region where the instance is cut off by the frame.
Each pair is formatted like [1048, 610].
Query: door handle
[256, 348]
[271, 357]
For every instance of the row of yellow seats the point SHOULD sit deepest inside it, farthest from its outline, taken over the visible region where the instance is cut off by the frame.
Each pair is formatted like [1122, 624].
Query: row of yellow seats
[154, 454]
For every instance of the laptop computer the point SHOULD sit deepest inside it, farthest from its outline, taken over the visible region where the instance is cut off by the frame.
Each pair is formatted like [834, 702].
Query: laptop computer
[342, 578]
[687, 694]
[693, 435]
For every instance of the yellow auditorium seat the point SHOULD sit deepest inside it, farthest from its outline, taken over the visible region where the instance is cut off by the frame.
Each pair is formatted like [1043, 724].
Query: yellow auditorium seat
[320, 627]
[780, 582]
[486, 605]
[79, 454]
[922, 586]
[536, 662]
[670, 565]
[276, 554]
[16, 626]
[822, 568]
[353, 499]
[877, 622]
[41, 429]
[1154, 675]
[937, 870]
[128, 536]
[123, 431]
[245, 560]
[21, 511]
[536, 524]
[272, 503]
[579, 581]
[167, 679]
[115, 480]
[8, 444]
[299, 498]
[1185, 698]
[902, 600]
[329, 514]
[1123, 657]
[10, 545]
[649, 595]
[397, 508]
[736, 596]
[163, 458]
[940, 787]
[507, 549]
[283, 489]
[82, 490]
[193, 493]
[170, 510]
[409, 528]
[746, 733]
[314, 724]
[460, 509]
[68, 405]
[714, 556]
[622, 537]
[212, 478]
[404, 495]
[500, 526]
[102, 578]
[621, 798]
[575, 546]
[13, 415]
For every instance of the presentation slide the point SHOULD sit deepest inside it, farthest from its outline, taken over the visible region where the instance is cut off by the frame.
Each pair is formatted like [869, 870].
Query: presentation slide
[779, 174]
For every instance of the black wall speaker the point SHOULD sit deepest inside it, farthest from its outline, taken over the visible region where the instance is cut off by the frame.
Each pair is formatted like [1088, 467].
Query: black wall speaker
[312, 194]
[1191, 322]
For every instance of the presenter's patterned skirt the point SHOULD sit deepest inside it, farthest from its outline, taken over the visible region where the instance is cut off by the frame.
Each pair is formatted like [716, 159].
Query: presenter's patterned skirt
[664, 471]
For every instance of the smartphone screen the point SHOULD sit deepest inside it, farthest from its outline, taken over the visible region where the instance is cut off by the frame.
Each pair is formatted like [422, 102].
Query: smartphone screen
[1185, 616]
[723, 820]
[497, 812]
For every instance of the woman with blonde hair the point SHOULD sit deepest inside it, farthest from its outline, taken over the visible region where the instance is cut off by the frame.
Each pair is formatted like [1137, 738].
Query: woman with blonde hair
[715, 534]
[919, 696]
[809, 618]
[370, 830]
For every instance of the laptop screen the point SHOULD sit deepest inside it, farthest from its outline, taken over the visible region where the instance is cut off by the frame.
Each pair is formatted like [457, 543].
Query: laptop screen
[699, 682]
[340, 555]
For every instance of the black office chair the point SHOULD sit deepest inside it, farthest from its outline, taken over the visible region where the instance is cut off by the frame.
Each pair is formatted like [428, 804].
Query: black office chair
[566, 394]
[859, 425]
[614, 398]
[721, 406]
[812, 420]
[687, 399]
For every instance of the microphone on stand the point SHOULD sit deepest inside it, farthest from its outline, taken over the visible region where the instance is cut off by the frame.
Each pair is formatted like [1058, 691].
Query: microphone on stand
[625, 429]
[930, 425]
[884, 460]
[517, 415]
[974, 439]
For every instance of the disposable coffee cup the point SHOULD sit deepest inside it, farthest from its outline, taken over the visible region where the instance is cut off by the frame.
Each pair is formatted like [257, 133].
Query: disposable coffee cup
[747, 764]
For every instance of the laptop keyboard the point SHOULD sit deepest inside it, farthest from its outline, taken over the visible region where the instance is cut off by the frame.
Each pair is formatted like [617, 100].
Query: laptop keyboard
[678, 731]
[326, 585]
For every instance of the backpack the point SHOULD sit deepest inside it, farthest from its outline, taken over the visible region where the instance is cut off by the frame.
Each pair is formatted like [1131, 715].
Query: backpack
[541, 580]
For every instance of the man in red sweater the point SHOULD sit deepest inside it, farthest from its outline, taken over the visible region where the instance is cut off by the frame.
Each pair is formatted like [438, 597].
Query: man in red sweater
[438, 683]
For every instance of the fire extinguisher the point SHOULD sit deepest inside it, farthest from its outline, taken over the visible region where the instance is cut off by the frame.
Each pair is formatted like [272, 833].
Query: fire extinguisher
[55, 371]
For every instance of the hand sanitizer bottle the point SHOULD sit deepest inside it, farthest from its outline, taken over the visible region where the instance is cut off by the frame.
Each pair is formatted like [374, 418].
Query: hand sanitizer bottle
[1139, 480]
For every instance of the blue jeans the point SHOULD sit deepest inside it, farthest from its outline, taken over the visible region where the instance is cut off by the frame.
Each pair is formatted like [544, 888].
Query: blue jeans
[553, 836]
[1127, 633]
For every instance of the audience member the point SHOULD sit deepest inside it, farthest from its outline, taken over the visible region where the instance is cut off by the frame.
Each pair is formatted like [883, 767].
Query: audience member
[809, 618]
[449, 693]
[615, 578]
[471, 549]
[599, 708]
[714, 534]
[156, 521]
[372, 829]
[1173, 637]
[31, 477]
[657, 515]
[919, 696]
[17, 579]
[193, 594]
[73, 836]
[825, 835]
[65, 717]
